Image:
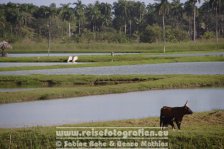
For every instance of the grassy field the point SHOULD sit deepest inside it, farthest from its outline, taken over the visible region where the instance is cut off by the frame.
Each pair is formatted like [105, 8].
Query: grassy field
[108, 58]
[96, 61]
[200, 130]
[203, 45]
[63, 86]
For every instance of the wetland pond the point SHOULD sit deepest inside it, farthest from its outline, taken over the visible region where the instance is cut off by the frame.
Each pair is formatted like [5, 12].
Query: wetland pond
[107, 107]
[164, 68]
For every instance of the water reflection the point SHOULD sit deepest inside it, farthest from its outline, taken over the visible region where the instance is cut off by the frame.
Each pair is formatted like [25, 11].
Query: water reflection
[107, 107]
[14, 89]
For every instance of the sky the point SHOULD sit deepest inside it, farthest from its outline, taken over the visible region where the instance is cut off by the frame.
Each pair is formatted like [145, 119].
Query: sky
[58, 2]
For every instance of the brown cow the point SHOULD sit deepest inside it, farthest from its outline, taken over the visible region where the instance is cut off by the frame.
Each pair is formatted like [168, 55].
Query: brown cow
[170, 114]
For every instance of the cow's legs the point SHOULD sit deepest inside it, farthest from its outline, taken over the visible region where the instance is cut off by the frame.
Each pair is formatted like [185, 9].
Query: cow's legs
[172, 124]
[178, 124]
[161, 123]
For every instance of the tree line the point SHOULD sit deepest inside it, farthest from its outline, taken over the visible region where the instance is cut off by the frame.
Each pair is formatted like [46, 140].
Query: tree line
[122, 21]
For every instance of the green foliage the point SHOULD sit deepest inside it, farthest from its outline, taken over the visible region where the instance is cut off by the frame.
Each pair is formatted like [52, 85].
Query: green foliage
[63, 86]
[129, 20]
[208, 35]
[91, 37]
[67, 46]
[176, 34]
[152, 33]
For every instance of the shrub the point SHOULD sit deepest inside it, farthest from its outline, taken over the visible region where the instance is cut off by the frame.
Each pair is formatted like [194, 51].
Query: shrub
[152, 33]
[208, 35]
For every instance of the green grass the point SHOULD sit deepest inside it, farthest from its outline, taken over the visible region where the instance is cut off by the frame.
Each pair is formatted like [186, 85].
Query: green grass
[105, 61]
[203, 45]
[73, 80]
[34, 59]
[200, 130]
[79, 85]
[116, 58]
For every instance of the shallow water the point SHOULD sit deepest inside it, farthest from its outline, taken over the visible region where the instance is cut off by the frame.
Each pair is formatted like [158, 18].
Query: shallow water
[19, 64]
[107, 107]
[165, 68]
[14, 89]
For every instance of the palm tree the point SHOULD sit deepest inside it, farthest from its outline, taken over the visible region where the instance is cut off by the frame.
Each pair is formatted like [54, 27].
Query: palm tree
[13, 16]
[94, 14]
[53, 10]
[48, 14]
[193, 2]
[106, 13]
[80, 13]
[132, 10]
[188, 13]
[125, 15]
[120, 11]
[26, 13]
[163, 9]
[176, 13]
[141, 10]
[215, 5]
[67, 15]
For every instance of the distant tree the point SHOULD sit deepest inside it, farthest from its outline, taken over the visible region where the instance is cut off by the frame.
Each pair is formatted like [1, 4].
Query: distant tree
[151, 16]
[140, 13]
[106, 14]
[80, 13]
[188, 9]
[66, 14]
[105, 22]
[163, 9]
[13, 16]
[53, 9]
[2, 22]
[93, 13]
[215, 4]
[152, 33]
[176, 13]
[193, 2]
[120, 12]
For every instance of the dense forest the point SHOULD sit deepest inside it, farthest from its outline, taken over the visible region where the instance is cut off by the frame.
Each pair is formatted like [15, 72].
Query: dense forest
[123, 21]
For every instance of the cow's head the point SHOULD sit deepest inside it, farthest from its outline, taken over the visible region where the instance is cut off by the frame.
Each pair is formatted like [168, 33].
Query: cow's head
[187, 110]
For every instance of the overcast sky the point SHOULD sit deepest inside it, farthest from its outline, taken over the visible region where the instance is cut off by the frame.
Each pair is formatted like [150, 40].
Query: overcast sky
[58, 2]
